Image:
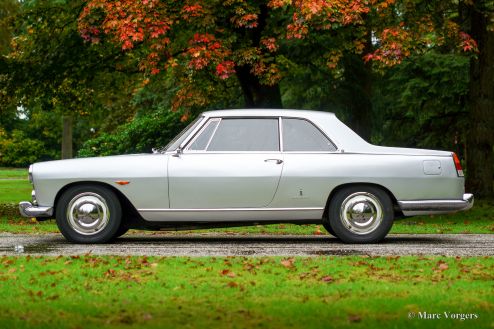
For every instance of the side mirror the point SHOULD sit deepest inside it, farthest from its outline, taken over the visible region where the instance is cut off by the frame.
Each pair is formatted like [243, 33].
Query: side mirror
[178, 152]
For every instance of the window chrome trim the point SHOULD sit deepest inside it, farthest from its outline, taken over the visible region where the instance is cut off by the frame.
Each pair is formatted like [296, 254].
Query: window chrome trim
[214, 132]
[192, 141]
[193, 132]
[196, 135]
[280, 133]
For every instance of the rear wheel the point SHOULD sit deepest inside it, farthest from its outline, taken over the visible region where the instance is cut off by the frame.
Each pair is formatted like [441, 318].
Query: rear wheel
[360, 214]
[122, 230]
[89, 214]
[328, 227]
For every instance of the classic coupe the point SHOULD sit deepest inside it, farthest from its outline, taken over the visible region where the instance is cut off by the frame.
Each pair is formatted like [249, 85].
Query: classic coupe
[245, 167]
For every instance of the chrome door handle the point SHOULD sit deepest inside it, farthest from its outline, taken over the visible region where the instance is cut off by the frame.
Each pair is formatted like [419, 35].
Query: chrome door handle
[278, 161]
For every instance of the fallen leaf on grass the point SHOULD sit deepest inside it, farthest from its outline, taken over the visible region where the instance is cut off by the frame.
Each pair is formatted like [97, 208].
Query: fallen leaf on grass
[327, 278]
[232, 284]
[442, 265]
[38, 293]
[228, 273]
[318, 231]
[110, 272]
[288, 263]
[354, 318]
[8, 262]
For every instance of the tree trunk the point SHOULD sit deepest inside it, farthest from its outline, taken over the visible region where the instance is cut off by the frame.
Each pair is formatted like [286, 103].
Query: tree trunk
[358, 82]
[67, 137]
[480, 139]
[255, 94]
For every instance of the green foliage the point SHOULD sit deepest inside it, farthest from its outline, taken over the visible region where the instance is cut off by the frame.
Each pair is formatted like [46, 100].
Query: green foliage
[422, 103]
[17, 150]
[8, 8]
[141, 135]
[50, 71]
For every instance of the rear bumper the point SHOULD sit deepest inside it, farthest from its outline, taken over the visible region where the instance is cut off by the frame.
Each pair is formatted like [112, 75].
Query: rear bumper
[28, 210]
[426, 207]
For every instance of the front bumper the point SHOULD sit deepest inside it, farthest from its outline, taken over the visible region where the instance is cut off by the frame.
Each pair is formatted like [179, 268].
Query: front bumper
[27, 209]
[430, 207]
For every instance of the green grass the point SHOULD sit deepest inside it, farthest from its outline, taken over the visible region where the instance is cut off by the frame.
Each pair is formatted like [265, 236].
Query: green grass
[17, 173]
[239, 292]
[14, 190]
[14, 185]
[26, 225]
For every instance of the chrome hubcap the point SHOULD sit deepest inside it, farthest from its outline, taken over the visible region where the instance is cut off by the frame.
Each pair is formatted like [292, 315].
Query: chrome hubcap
[361, 213]
[88, 213]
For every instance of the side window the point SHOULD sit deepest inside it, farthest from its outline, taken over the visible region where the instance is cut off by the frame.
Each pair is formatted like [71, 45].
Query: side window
[246, 135]
[301, 135]
[202, 141]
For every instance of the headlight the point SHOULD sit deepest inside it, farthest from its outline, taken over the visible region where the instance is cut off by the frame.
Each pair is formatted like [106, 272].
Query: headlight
[30, 174]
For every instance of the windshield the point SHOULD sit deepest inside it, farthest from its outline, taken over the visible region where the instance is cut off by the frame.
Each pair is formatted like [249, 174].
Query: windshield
[175, 143]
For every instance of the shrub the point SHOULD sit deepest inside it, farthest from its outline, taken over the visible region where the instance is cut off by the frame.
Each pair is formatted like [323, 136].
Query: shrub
[140, 135]
[17, 150]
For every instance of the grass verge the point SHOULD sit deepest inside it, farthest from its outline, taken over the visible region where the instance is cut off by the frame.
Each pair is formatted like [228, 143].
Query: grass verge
[14, 190]
[9, 173]
[238, 292]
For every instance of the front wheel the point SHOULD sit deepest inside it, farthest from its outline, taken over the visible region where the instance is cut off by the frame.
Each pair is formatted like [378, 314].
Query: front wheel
[89, 214]
[361, 214]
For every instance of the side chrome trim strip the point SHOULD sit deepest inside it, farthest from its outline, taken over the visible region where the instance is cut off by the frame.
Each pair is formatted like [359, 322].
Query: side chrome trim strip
[230, 209]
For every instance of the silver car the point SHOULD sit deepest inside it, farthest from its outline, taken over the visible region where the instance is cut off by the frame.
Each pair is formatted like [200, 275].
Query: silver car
[244, 167]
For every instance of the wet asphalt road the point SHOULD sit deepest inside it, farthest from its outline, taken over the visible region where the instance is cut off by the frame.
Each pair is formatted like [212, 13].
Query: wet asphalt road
[214, 244]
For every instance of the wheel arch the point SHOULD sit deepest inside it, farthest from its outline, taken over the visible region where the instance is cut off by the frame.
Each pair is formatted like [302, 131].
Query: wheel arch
[129, 212]
[342, 186]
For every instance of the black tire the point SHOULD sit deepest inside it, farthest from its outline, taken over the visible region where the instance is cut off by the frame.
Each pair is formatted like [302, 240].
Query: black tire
[368, 217]
[121, 230]
[328, 227]
[89, 214]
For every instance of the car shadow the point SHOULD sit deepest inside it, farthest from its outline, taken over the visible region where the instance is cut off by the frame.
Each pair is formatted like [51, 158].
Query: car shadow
[275, 239]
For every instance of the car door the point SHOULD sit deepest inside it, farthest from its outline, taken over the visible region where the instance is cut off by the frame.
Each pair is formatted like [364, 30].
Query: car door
[310, 165]
[231, 163]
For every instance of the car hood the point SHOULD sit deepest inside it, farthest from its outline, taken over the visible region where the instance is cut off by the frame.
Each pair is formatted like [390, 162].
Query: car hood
[109, 166]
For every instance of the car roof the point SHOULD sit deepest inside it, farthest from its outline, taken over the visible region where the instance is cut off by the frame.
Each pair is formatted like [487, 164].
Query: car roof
[267, 113]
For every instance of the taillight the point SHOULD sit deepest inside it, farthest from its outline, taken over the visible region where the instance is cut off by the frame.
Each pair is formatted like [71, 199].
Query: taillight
[459, 170]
